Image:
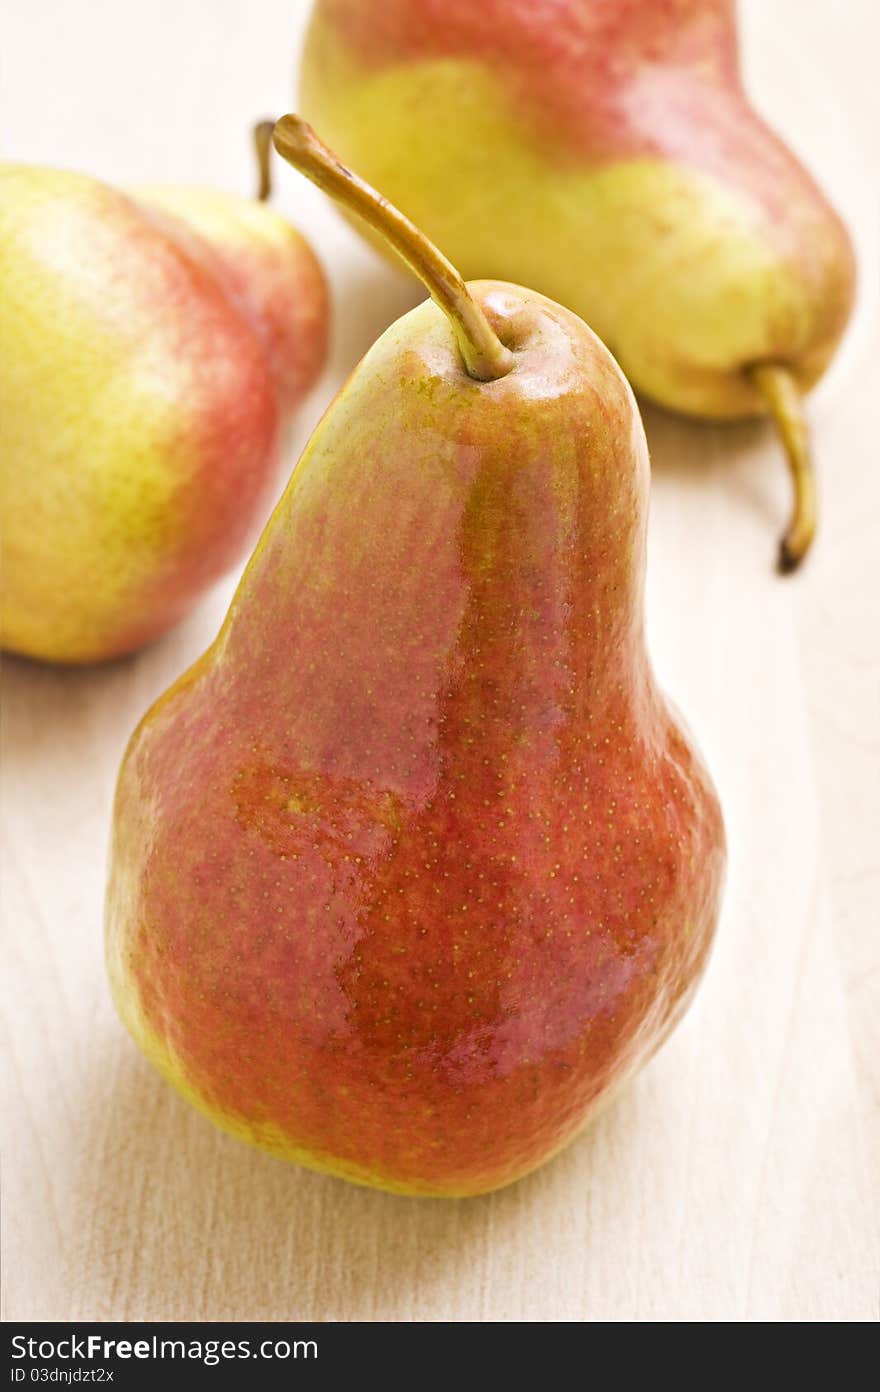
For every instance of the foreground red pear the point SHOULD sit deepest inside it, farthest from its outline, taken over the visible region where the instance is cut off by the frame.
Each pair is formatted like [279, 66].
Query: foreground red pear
[158, 341]
[605, 153]
[416, 865]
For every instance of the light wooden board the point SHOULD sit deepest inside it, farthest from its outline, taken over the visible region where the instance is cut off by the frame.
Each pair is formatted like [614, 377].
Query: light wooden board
[736, 1178]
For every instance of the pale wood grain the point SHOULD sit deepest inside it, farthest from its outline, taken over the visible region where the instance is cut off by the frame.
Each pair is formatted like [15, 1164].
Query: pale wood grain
[736, 1178]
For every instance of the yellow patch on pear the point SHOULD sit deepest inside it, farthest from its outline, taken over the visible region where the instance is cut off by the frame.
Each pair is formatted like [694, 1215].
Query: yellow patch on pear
[221, 218]
[83, 528]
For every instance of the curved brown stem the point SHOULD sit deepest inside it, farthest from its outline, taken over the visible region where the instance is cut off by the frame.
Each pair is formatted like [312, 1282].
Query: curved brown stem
[485, 356]
[784, 400]
[263, 147]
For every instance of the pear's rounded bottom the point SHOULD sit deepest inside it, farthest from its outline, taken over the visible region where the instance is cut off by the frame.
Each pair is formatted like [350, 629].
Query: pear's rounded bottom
[276, 1144]
[273, 1140]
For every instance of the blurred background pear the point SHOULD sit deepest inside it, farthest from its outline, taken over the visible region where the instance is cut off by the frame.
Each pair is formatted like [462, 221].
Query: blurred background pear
[153, 344]
[607, 155]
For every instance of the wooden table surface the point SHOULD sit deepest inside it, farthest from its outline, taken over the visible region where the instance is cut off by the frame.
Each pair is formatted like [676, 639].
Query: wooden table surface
[736, 1178]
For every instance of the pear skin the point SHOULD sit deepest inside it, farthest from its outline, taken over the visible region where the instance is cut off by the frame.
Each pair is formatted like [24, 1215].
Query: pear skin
[416, 865]
[266, 266]
[142, 394]
[607, 155]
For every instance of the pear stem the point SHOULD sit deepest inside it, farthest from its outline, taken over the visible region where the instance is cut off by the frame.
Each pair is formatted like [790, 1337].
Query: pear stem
[262, 134]
[785, 402]
[485, 356]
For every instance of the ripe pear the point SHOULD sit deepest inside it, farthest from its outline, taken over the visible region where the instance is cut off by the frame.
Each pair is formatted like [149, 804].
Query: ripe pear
[416, 864]
[607, 155]
[154, 343]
